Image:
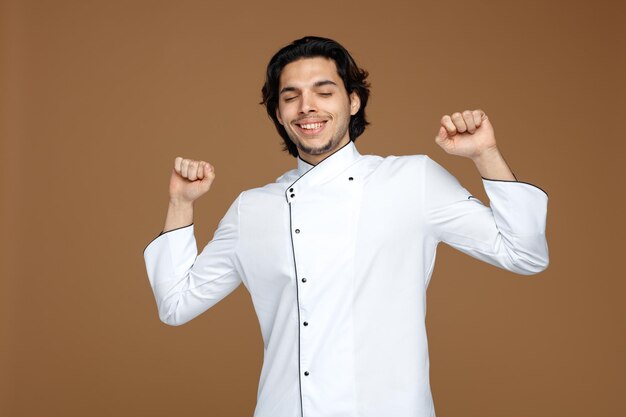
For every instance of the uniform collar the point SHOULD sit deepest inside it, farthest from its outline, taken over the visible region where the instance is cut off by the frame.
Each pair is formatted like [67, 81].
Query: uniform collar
[327, 168]
[339, 159]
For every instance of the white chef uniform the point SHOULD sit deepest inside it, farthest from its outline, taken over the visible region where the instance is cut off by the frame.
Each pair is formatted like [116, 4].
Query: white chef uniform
[337, 258]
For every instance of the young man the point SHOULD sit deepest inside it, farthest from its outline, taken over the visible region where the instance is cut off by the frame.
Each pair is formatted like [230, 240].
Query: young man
[338, 252]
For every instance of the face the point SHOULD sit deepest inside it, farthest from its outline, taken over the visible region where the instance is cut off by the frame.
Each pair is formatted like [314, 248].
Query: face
[314, 107]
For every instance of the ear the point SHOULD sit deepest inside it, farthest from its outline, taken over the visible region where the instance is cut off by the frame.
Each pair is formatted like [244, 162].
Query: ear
[280, 120]
[355, 103]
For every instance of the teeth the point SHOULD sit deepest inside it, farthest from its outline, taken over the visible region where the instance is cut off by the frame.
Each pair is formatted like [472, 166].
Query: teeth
[312, 125]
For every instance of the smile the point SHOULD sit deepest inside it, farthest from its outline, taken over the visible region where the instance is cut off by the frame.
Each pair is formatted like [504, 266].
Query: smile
[311, 128]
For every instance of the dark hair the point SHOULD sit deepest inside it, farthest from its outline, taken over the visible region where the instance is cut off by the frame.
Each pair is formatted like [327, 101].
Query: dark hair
[308, 47]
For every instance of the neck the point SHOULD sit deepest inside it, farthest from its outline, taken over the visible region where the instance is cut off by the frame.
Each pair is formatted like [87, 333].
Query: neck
[316, 159]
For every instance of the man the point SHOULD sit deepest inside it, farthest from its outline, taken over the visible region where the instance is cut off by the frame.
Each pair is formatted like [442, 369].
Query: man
[338, 252]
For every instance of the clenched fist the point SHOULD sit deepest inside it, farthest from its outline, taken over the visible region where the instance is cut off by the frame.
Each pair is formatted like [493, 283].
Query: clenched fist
[468, 134]
[190, 179]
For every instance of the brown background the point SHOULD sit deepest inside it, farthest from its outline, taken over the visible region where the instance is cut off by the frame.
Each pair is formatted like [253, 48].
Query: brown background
[99, 97]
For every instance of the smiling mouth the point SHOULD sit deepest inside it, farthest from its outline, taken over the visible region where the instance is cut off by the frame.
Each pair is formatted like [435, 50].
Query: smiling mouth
[311, 128]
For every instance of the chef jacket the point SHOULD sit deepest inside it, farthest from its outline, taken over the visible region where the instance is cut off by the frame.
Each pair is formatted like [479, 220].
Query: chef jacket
[337, 258]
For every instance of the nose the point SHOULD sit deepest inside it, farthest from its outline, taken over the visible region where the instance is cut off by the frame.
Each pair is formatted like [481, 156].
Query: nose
[307, 103]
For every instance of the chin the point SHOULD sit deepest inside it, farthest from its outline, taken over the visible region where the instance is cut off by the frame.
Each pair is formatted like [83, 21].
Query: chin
[317, 150]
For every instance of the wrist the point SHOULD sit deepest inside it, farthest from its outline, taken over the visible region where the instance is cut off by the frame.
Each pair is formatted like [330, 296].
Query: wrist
[179, 214]
[179, 203]
[491, 165]
[488, 156]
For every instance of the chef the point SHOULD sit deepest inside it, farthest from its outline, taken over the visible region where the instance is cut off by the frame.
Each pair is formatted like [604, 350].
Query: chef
[338, 252]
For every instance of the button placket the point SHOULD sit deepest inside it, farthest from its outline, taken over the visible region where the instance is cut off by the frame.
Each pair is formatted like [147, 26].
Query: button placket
[329, 189]
[304, 223]
[299, 242]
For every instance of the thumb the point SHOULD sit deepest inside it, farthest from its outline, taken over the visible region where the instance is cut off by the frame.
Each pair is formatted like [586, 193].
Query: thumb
[485, 121]
[442, 135]
[209, 172]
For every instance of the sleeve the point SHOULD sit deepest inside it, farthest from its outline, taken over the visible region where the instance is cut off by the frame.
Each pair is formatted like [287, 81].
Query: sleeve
[185, 284]
[509, 234]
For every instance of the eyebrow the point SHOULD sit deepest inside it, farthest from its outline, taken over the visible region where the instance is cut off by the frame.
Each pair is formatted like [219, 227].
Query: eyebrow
[317, 84]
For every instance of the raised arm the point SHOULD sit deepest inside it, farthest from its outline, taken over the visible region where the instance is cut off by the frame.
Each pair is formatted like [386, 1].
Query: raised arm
[185, 284]
[511, 232]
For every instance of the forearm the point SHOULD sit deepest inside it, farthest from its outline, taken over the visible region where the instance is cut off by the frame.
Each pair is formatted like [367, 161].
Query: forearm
[492, 165]
[178, 215]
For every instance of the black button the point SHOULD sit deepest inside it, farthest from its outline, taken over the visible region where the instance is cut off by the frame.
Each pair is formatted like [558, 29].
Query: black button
[306, 373]
[350, 179]
[293, 195]
[303, 279]
[291, 190]
[297, 230]
[306, 323]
